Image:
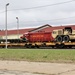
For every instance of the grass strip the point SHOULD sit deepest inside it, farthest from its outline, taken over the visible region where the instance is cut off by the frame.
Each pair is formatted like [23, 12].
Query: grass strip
[38, 55]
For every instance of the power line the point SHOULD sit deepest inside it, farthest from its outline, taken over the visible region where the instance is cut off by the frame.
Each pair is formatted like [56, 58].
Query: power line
[46, 20]
[58, 19]
[44, 5]
[41, 21]
[41, 6]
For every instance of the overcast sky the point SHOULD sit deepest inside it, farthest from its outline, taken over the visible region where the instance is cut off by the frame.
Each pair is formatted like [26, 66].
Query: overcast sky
[57, 13]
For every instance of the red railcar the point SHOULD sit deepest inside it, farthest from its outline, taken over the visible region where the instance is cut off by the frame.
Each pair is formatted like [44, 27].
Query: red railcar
[38, 37]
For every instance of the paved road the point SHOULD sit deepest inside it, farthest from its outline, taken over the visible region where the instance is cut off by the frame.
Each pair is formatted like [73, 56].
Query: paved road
[6, 72]
[40, 68]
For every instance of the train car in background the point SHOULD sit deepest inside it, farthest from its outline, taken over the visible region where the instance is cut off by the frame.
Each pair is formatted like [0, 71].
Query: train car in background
[57, 38]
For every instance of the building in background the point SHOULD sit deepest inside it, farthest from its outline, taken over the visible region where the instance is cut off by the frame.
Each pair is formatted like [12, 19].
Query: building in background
[12, 34]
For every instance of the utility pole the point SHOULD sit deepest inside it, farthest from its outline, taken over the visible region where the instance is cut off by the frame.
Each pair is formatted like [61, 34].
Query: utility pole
[6, 22]
[17, 27]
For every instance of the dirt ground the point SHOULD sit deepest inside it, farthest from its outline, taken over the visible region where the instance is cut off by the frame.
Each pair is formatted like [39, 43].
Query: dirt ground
[38, 67]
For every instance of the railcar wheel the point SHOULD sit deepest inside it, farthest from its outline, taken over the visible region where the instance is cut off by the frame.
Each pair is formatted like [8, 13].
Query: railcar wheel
[60, 46]
[66, 38]
[59, 38]
[26, 45]
[70, 47]
[36, 46]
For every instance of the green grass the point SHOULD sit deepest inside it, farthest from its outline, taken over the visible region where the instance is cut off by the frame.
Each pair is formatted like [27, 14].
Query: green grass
[42, 55]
